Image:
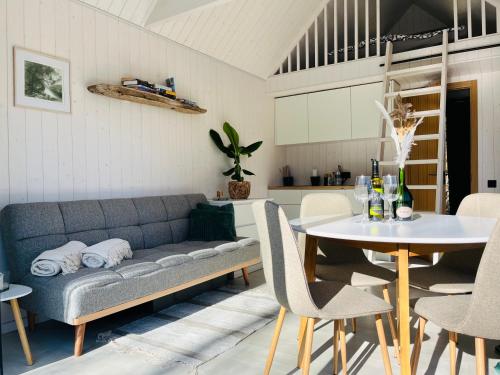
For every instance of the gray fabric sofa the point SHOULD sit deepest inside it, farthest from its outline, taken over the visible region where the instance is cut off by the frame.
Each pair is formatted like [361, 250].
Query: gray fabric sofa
[157, 229]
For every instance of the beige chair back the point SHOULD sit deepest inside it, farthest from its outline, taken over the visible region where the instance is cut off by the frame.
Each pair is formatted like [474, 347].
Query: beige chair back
[478, 205]
[334, 205]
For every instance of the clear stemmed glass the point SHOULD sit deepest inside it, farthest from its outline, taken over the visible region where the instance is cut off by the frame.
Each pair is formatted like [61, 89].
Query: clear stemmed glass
[361, 189]
[390, 193]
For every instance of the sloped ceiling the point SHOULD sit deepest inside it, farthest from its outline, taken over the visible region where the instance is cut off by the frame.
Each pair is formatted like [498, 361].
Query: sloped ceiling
[253, 35]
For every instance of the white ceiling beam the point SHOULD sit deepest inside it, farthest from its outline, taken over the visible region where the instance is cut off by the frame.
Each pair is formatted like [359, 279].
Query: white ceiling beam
[167, 9]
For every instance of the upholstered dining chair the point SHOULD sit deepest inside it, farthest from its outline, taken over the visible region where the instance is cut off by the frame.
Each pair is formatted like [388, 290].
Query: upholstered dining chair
[456, 271]
[474, 314]
[341, 263]
[285, 277]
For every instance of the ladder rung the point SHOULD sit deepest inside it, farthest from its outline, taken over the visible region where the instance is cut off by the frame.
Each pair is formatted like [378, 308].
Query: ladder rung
[411, 162]
[423, 137]
[419, 70]
[431, 113]
[415, 92]
[422, 187]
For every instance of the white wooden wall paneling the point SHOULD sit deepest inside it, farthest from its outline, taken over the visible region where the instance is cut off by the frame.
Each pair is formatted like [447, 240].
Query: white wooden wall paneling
[16, 115]
[103, 106]
[49, 119]
[64, 128]
[260, 43]
[91, 127]
[4, 130]
[232, 28]
[116, 7]
[34, 136]
[78, 103]
[239, 40]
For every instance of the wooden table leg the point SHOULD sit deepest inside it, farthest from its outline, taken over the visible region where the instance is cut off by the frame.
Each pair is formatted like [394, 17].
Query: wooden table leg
[20, 329]
[310, 270]
[404, 308]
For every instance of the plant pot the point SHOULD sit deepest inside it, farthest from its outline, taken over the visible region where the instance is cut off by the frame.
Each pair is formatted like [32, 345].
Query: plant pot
[239, 190]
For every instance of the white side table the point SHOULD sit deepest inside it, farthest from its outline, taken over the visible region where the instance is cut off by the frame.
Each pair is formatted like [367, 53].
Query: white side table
[11, 295]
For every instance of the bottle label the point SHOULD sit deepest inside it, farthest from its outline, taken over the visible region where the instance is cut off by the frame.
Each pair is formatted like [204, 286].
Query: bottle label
[376, 211]
[404, 212]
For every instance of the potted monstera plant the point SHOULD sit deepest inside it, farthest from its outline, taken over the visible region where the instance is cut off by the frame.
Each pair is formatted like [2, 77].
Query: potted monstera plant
[238, 187]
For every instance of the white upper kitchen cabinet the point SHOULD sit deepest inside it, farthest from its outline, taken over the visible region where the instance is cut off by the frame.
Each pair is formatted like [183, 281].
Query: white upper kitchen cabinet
[329, 115]
[291, 120]
[365, 116]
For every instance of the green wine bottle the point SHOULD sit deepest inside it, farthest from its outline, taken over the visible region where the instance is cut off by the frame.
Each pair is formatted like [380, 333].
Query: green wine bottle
[403, 206]
[376, 203]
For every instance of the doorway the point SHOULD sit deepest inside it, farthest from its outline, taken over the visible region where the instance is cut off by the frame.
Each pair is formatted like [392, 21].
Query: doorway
[461, 144]
[461, 164]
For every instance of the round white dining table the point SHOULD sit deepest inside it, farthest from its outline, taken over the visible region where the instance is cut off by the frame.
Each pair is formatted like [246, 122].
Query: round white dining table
[427, 234]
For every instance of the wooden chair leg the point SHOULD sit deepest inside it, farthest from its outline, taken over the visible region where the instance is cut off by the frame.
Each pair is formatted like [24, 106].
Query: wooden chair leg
[21, 331]
[415, 355]
[383, 344]
[335, 347]
[392, 324]
[306, 365]
[354, 325]
[79, 338]
[244, 270]
[274, 342]
[31, 321]
[480, 356]
[301, 341]
[343, 347]
[453, 352]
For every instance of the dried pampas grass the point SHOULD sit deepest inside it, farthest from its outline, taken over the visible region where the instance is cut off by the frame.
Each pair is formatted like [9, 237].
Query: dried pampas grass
[403, 125]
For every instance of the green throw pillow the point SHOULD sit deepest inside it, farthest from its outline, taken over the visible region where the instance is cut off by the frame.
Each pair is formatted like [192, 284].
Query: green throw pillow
[212, 223]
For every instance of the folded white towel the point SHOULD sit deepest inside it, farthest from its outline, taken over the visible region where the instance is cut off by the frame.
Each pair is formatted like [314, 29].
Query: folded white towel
[66, 258]
[107, 253]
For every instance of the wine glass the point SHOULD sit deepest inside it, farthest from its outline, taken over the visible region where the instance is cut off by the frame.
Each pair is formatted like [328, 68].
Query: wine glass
[390, 193]
[361, 188]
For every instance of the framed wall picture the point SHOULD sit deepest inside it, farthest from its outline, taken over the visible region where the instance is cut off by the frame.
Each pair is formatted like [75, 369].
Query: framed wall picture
[41, 81]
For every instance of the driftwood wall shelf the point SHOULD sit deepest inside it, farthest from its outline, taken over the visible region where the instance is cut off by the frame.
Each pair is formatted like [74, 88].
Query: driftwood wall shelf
[142, 97]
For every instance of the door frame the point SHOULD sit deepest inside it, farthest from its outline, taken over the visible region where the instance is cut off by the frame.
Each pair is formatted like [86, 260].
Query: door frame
[474, 138]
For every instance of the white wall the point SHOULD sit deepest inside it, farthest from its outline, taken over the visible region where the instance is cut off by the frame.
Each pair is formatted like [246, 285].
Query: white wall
[110, 148]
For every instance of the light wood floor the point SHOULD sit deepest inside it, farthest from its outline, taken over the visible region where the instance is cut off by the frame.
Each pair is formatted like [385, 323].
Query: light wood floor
[52, 346]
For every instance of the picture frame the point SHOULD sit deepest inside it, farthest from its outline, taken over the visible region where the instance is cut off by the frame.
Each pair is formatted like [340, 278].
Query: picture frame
[41, 81]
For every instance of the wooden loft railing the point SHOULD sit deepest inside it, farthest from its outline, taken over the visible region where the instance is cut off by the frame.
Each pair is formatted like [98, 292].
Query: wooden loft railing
[344, 30]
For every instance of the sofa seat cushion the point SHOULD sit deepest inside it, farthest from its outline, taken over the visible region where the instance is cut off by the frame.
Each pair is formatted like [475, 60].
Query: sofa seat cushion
[66, 297]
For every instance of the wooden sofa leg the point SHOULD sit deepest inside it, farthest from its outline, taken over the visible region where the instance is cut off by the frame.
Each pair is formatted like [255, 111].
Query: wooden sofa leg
[79, 337]
[31, 321]
[245, 275]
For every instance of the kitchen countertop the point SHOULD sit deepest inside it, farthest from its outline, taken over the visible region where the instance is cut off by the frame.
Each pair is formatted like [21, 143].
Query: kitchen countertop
[309, 187]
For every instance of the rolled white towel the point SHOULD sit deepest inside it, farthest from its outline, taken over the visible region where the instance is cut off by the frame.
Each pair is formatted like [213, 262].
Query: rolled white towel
[107, 253]
[66, 258]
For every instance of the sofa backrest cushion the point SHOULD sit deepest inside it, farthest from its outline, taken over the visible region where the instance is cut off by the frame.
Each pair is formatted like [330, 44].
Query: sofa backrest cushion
[31, 228]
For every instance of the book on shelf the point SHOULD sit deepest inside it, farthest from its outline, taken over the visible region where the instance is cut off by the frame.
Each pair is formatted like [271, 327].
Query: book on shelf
[142, 88]
[136, 82]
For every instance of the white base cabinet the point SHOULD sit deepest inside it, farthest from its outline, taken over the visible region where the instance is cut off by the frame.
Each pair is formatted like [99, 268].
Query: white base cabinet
[290, 199]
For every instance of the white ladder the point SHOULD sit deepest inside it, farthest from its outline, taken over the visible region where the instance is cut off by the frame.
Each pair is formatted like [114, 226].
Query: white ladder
[427, 72]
